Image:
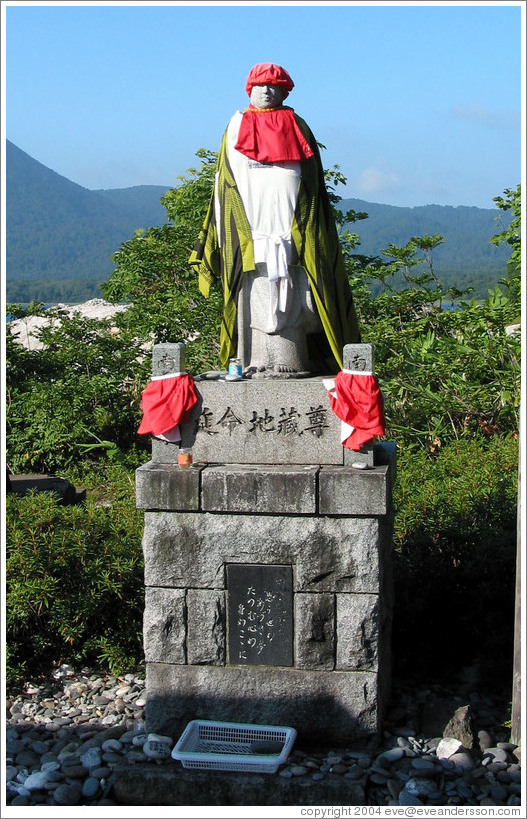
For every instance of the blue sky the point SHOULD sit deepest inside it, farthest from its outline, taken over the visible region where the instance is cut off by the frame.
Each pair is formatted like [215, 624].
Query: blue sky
[417, 103]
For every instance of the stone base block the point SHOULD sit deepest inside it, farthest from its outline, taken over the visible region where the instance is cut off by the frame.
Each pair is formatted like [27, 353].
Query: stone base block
[259, 422]
[329, 554]
[266, 489]
[167, 486]
[170, 784]
[308, 701]
[287, 490]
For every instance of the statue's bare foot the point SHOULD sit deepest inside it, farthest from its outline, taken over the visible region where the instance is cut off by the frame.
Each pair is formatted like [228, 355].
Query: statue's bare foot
[254, 368]
[276, 371]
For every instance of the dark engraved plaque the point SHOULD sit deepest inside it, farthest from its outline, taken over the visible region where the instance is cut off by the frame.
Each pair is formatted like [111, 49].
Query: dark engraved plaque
[260, 614]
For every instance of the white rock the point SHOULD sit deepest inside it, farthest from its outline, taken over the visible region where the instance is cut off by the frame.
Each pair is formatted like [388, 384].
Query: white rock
[65, 670]
[156, 750]
[124, 689]
[91, 758]
[36, 781]
[447, 747]
[160, 738]
[25, 332]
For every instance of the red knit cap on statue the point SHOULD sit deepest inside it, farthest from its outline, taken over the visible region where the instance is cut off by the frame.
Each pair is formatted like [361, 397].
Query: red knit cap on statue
[269, 74]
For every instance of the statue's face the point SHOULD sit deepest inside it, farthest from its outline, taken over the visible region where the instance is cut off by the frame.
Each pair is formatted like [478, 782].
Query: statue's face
[266, 96]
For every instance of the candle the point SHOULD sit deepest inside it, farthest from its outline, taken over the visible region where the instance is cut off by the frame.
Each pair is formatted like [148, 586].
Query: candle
[184, 458]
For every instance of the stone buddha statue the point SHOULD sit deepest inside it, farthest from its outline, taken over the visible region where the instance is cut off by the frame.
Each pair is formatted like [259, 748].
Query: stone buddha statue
[270, 238]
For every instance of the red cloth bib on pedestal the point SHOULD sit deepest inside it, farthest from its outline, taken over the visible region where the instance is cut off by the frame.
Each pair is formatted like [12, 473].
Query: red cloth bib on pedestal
[166, 403]
[272, 135]
[357, 400]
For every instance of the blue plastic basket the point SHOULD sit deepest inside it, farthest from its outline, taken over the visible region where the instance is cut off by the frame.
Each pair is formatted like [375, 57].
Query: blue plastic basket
[233, 746]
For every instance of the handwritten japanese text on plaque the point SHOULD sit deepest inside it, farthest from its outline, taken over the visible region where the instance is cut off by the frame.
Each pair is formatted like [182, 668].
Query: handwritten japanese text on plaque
[260, 614]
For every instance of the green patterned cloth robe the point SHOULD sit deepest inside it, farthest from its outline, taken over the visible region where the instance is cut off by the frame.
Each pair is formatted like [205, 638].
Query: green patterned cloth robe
[316, 247]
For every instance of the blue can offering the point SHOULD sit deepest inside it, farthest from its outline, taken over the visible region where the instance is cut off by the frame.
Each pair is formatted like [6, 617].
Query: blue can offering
[235, 366]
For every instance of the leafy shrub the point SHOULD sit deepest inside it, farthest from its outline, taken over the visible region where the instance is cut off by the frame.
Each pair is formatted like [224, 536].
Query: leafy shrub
[454, 558]
[79, 396]
[447, 374]
[74, 579]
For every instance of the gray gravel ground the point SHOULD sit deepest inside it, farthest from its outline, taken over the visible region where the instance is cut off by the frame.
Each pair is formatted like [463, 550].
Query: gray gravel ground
[65, 735]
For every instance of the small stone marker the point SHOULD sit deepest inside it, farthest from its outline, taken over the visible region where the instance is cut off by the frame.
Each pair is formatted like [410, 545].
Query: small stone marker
[359, 357]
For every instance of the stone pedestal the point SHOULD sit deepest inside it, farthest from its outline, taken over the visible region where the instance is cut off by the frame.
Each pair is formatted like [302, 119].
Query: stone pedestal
[267, 567]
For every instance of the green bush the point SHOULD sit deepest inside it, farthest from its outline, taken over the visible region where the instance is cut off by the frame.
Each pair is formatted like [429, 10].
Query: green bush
[454, 558]
[447, 374]
[78, 397]
[74, 578]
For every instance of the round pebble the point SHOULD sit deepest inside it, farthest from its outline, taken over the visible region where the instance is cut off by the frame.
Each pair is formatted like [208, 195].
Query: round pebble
[67, 795]
[36, 781]
[420, 787]
[392, 755]
[355, 772]
[463, 761]
[496, 754]
[423, 764]
[90, 787]
[91, 758]
[379, 779]
[298, 770]
[447, 747]
[112, 745]
[407, 799]
[153, 749]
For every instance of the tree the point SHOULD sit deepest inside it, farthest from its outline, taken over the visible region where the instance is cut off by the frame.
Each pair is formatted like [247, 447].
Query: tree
[447, 374]
[512, 236]
[153, 274]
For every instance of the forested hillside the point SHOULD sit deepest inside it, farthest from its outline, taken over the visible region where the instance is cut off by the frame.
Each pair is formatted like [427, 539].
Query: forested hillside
[465, 259]
[61, 236]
